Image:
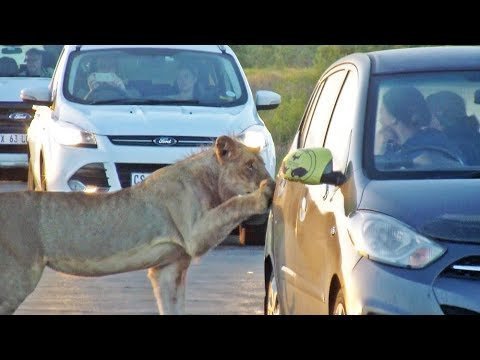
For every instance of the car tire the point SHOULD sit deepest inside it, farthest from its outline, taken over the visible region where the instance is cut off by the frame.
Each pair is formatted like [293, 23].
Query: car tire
[271, 304]
[252, 234]
[339, 307]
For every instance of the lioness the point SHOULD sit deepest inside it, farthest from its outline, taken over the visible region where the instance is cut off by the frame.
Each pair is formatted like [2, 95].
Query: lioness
[177, 213]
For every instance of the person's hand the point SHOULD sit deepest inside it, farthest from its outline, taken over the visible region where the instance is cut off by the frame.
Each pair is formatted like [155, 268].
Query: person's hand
[95, 79]
[386, 140]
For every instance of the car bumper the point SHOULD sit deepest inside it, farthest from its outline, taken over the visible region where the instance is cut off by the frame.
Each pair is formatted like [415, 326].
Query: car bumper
[13, 160]
[64, 161]
[377, 288]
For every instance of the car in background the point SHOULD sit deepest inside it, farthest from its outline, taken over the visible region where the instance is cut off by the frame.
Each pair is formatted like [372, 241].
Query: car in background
[113, 135]
[15, 115]
[354, 231]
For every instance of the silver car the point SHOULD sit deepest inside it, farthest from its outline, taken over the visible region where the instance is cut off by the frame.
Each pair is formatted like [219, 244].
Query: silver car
[376, 207]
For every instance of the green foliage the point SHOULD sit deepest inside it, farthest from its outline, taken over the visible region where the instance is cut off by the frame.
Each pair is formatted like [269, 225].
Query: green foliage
[275, 56]
[295, 86]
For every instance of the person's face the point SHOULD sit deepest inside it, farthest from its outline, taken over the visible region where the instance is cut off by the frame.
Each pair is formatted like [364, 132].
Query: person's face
[34, 64]
[384, 116]
[186, 80]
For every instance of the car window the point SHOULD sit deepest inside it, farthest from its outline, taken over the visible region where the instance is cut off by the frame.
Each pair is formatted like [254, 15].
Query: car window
[309, 109]
[340, 128]
[28, 60]
[323, 110]
[154, 76]
[451, 125]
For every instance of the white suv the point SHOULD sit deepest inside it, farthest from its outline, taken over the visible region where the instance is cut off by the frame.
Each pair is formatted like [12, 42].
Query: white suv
[113, 114]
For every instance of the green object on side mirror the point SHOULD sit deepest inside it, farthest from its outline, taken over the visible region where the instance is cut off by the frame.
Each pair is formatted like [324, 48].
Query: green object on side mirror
[306, 165]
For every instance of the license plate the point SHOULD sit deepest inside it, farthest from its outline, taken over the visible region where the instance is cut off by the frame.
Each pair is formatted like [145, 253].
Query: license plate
[13, 139]
[138, 177]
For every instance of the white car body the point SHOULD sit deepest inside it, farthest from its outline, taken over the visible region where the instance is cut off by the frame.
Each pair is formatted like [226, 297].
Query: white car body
[159, 125]
[15, 115]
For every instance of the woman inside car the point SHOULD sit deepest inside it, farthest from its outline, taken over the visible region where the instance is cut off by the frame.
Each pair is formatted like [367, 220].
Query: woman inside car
[405, 112]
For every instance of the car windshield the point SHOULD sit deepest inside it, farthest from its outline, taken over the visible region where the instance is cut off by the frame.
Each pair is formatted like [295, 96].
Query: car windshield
[153, 76]
[424, 125]
[28, 60]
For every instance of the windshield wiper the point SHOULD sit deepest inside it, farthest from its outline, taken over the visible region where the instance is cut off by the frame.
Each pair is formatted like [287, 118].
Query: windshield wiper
[131, 101]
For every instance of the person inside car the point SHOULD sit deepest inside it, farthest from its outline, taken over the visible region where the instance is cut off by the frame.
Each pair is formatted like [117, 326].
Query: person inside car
[449, 115]
[405, 111]
[34, 64]
[186, 83]
[105, 73]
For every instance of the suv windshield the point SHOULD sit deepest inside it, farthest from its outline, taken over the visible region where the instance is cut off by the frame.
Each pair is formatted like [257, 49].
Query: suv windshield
[28, 60]
[153, 76]
[424, 125]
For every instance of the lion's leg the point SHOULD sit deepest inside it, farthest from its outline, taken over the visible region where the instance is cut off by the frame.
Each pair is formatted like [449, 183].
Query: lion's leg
[17, 281]
[217, 223]
[168, 284]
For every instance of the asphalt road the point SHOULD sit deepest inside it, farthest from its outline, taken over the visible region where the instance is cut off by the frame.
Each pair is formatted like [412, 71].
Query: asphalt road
[228, 280]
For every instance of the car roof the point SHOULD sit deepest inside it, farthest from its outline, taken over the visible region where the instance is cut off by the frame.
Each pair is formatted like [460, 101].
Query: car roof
[209, 48]
[431, 58]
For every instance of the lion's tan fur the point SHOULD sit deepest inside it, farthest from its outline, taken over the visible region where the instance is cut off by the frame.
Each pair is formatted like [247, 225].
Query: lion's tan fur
[179, 212]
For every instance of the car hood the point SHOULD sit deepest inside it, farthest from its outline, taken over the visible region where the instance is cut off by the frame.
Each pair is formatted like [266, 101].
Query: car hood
[446, 209]
[10, 87]
[158, 120]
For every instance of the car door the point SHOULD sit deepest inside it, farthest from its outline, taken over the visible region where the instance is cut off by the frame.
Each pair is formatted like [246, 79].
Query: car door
[317, 252]
[289, 194]
[284, 208]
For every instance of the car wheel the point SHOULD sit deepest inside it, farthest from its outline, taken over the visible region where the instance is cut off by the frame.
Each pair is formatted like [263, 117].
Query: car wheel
[252, 234]
[30, 180]
[339, 307]
[272, 307]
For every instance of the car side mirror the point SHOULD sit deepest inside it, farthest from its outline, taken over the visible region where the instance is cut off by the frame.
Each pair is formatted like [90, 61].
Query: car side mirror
[311, 166]
[266, 100]
[36, 96]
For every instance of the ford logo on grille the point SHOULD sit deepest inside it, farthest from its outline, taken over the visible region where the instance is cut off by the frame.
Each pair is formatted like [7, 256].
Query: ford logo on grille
[165, 140]
[20, 116]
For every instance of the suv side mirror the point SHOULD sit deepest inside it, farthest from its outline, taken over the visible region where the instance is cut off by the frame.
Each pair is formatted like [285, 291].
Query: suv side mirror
[312, 166]
[36, 96]
[266, 100]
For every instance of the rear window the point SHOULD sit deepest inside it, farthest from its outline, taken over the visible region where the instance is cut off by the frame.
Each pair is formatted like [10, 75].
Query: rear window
[28, 60]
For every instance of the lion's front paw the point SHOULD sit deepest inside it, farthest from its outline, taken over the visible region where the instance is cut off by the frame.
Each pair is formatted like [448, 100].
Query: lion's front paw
[266, 190]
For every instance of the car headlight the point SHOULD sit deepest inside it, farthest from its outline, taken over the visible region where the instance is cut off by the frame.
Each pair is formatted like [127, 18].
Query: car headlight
[71, 135]
[385, 239]
[254, 137]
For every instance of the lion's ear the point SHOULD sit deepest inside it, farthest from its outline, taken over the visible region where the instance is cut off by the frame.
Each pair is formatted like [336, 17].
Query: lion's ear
[225, 148]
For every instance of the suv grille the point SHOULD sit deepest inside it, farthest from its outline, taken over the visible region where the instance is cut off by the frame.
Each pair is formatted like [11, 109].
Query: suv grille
[125, 171]
[467, 268]
[161, 140]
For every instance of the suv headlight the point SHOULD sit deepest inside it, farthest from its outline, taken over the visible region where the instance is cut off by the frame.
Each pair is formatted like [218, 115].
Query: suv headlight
[385, 239]
[254, 137]
[71, 135]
